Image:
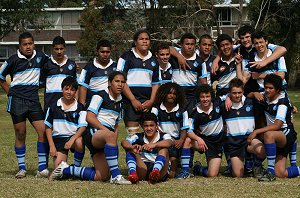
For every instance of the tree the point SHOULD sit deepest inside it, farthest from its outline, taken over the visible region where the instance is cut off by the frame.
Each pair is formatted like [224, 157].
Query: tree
[17, 15]
[280, 20]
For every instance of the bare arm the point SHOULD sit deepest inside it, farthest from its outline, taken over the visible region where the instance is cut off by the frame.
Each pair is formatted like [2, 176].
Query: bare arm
[178, 143]
[147, 105]
[278, 52]
[135, 103]
[52, 147]
[93, 121]
[131, 148]
[4, 86]
[215, 64]
[82, 94]
[181, 59]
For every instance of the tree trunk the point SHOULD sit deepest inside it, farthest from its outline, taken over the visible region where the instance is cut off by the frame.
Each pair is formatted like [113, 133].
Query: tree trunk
[293, 61]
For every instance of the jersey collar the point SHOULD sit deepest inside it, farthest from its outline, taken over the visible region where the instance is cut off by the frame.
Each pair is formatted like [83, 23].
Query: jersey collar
[119, 97]
[167, 67]
[201, 111]
[22, 56]
[282, 95]
[238, 105]
[163, 107]
[256, 58]
[62, 63]
[149, 55]
[156, 139]
[98, 65]
[73, 108]
[191, 58]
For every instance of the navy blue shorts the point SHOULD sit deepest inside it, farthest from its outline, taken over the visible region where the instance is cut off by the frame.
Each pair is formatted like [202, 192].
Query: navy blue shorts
[130, 114]
[291, 137]
[87, 141]
[60, 142]
[236, 145]
[214, 145]
[20, 109]
[150, 166]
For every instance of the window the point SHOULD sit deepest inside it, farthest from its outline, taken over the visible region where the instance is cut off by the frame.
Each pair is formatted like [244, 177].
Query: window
[224, 17]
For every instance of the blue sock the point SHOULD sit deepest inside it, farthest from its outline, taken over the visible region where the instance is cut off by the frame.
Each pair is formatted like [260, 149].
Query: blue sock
[248, 160]
[20, 154]
[160, 162]
[42, 155]
[185, 159]
[293, 171]
[271, 156]
[204, 171]
[85, 173]
[78, 157]
[111, 156]
[131, 162]
[293, 155]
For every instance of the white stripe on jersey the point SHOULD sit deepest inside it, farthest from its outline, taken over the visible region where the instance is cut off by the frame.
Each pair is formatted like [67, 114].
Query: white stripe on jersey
[224, 80]
[98, 83]
[280, 115]
[63, 128]
[82, 77]
[240, 126]
[184, 78]
[212, 128]
[139, 78]
[2, 68]
[82, 119]
[27, 77]
[121, 64]
[54, 83]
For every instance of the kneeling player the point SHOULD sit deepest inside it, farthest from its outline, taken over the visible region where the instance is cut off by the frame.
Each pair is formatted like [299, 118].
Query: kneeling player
[103, 116]
[65, 123]
[206, 131]
[147, 153]
[279, 134]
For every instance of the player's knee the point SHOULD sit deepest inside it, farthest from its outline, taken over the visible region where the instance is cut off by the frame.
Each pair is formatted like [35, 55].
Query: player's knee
[268, 137]
[281, 172]
[79, 144]
[187, 142]
[163, 152]
[20, 134]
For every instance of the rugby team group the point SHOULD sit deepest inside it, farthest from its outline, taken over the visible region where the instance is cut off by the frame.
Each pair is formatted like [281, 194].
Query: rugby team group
[169, 106]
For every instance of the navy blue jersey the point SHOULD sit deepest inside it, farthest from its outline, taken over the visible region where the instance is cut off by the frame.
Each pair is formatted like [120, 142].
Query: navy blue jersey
[141, 139]
[240, 119]
[54, 74]
[142, 73]
[207, 124]
[188, 79]
[25, 74]
[65, 123]
[208, 63]
[95, 77]
[171, 122]
[166, 74]
[225, 73]
[279, 109]
[106, 108]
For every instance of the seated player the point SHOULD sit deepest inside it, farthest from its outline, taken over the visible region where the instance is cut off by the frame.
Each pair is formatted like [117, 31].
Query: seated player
[206, 131]
[279, 135]
[103, 116]
[147, 153]
[65, 122]
[173, 120]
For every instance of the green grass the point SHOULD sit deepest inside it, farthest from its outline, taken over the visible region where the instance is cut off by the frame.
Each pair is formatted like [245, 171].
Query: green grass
[194, 187]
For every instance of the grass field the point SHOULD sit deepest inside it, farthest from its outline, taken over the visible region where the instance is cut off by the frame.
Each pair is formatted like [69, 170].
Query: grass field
[194, 187]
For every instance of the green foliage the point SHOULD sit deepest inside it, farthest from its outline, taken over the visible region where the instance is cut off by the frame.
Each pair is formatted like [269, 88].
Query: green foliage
[21, 14]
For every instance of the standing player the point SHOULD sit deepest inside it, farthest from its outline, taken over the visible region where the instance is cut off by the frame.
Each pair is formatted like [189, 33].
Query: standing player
[58, 67]
[24, 68]
[279, 135]
[163, 56]
[143, 80]
[103, 116]
[94, 76]
[65, 122]
[147, 153]
[205, 48]
[192, 76]
[173, 120]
